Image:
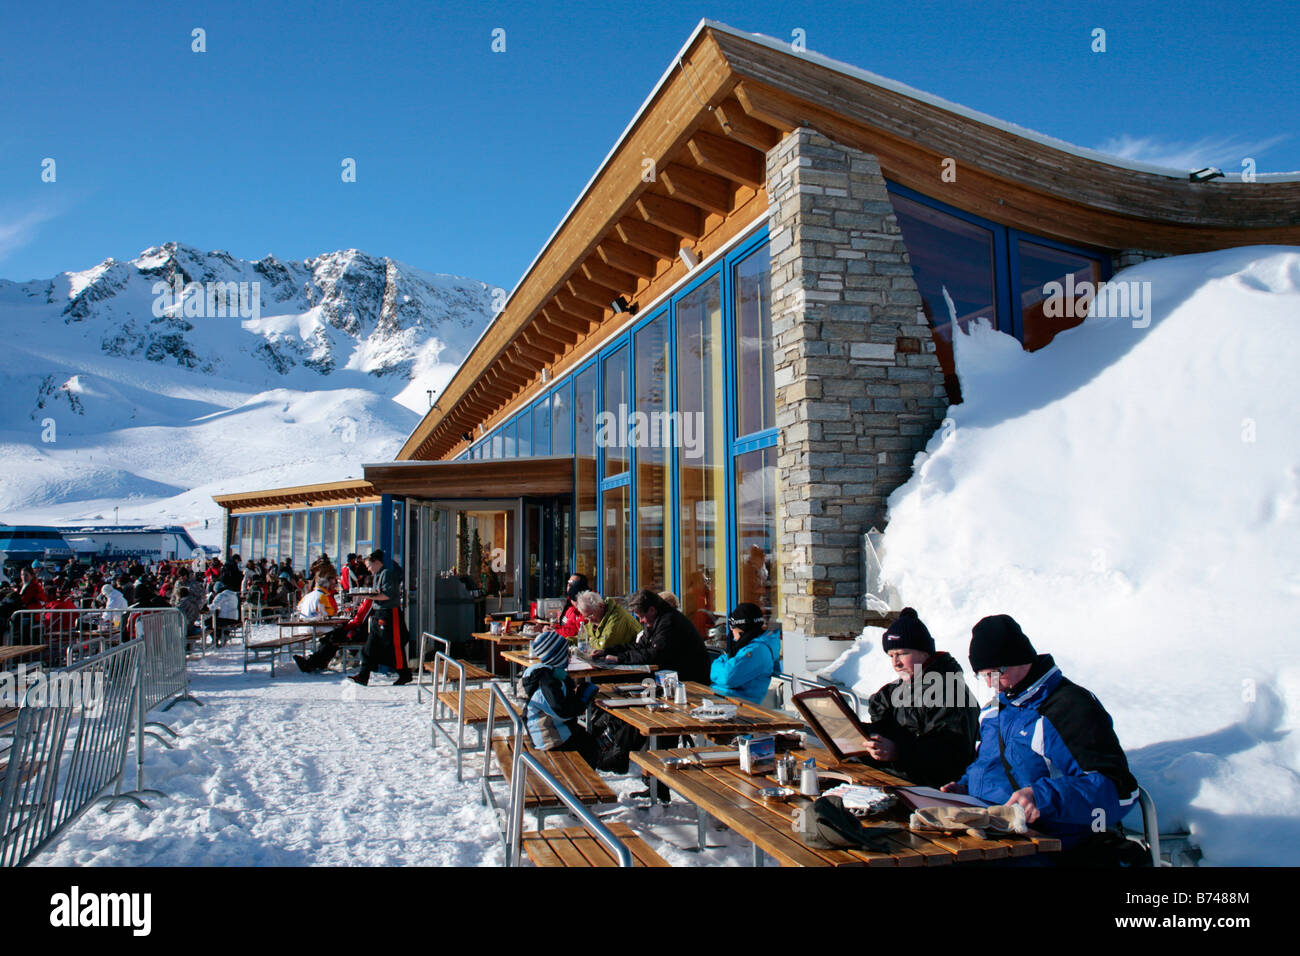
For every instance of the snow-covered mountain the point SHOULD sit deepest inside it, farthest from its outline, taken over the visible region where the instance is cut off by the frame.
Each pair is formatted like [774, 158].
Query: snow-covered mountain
[151, 384]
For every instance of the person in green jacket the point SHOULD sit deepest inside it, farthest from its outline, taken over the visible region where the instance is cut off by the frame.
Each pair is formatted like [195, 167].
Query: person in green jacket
[606, 624]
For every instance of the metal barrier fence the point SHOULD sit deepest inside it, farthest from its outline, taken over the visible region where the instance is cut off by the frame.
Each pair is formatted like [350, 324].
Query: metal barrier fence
[69, 635]
[67, 754]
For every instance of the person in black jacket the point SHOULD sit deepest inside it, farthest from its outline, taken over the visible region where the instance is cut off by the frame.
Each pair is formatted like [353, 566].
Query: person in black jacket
[669, 640]
[388, 639]
[927, 720]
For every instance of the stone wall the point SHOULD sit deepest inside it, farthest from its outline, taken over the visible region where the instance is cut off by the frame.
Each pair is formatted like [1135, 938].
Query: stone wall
[1131, 257]
[858, 387]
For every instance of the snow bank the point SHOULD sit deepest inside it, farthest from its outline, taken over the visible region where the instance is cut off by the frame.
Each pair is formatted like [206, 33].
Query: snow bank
[1132, 497]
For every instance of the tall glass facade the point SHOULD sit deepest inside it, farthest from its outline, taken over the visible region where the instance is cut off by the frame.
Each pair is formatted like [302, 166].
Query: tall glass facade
[672, 431]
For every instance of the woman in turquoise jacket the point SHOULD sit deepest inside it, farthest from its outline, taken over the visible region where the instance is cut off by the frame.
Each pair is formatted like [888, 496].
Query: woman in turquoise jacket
[753, 655]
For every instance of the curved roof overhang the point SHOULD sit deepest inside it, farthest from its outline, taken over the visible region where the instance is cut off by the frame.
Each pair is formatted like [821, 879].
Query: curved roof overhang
[299, 496]
[727, 99]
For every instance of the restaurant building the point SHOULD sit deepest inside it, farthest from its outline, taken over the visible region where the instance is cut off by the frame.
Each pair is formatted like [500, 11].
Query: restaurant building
[728, 353]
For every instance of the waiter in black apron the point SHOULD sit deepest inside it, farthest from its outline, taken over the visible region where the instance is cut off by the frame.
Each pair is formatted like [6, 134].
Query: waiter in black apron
[387, 641]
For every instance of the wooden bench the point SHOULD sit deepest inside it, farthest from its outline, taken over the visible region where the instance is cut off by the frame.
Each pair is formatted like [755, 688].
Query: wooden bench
[566, 766]
[448, 713]
[574, 846]
[271, 648]
[472, 673]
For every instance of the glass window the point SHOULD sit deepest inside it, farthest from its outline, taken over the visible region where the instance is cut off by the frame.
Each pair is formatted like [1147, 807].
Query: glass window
[496, 445]
[614, 414]
[616, 581]
[365, 525]
[329, 532]
[953, 261]
[313, 529]
[542, 427]
[756, 551]
[755, 369]
[347, 531]
[584, 480]
[1040, 265]
[300, 540]
[524, 424]
[272, 538]
[286, 536]
[245, 537]
[651, 437]
[701, 464]
[259, 537]
[561, 426]
[508, 448]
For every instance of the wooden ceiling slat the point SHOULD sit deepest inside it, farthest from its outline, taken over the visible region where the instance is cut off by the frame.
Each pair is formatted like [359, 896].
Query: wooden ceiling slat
[680, 218]
[557, 316]
[620, 255]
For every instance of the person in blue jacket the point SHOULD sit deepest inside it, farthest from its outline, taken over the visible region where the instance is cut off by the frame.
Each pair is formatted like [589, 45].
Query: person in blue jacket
[555, 702]
[752, 656]
[1045, 743]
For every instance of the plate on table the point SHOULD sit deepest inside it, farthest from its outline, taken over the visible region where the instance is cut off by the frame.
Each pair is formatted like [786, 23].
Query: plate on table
[715, 710]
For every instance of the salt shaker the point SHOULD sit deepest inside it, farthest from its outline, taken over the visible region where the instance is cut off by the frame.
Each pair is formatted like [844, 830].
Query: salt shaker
[808, 782]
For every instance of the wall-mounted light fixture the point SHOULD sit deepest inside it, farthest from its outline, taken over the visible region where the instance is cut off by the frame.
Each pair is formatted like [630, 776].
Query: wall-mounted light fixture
[688, 257]
[620, 306]
[546, 375]
[467, 436]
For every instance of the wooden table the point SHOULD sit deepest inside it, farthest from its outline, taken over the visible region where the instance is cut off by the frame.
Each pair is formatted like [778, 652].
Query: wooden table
[585, 671]
[675, 720]
[499, 643]
[731, 796]
[10, 651]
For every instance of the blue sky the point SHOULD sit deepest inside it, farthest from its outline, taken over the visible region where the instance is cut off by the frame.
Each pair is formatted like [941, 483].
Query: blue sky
[467, 159]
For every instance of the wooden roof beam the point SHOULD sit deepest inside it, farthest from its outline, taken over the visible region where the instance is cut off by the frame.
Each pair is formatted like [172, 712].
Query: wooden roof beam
[765, 107]
[729, 159]
[680, 218]
[697, 188]
[648, 238]
[597, 270]
[583, 310]
[619, 255]
[557, 316]
[743, 128]
[540, 344]
[593, 292]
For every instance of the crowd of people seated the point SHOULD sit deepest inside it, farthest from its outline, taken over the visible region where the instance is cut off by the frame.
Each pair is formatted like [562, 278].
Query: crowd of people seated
[1042, 743]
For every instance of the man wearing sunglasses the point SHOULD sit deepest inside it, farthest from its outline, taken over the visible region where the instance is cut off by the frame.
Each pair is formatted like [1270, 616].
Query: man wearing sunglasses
[1045, 744]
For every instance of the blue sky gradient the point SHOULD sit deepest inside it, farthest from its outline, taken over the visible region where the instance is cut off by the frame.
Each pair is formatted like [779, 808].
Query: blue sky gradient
[467, 159]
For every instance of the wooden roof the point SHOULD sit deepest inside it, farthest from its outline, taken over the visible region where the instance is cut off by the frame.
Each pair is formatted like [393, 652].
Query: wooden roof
[481, 478]
[707, 126]
[299, 496]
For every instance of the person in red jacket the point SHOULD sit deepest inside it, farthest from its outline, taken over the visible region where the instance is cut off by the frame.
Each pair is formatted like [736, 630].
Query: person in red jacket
[570, 617]
[30, 593]
[348, 633]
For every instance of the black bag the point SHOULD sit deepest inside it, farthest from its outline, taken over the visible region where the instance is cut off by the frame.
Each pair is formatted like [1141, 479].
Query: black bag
[1105, 849]
[826, 825]
[615, 740]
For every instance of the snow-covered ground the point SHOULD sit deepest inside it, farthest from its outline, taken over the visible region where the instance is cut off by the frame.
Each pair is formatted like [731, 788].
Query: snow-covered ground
[313, 770]
[1131, 495]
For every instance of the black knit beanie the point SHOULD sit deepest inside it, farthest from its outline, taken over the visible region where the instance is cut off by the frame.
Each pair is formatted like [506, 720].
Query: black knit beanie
[998, 641]
[908, 633]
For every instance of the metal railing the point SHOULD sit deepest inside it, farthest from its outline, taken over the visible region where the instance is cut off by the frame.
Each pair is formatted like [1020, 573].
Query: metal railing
[526, 763]
[794, 680]
[67, 754]
[502, 814]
